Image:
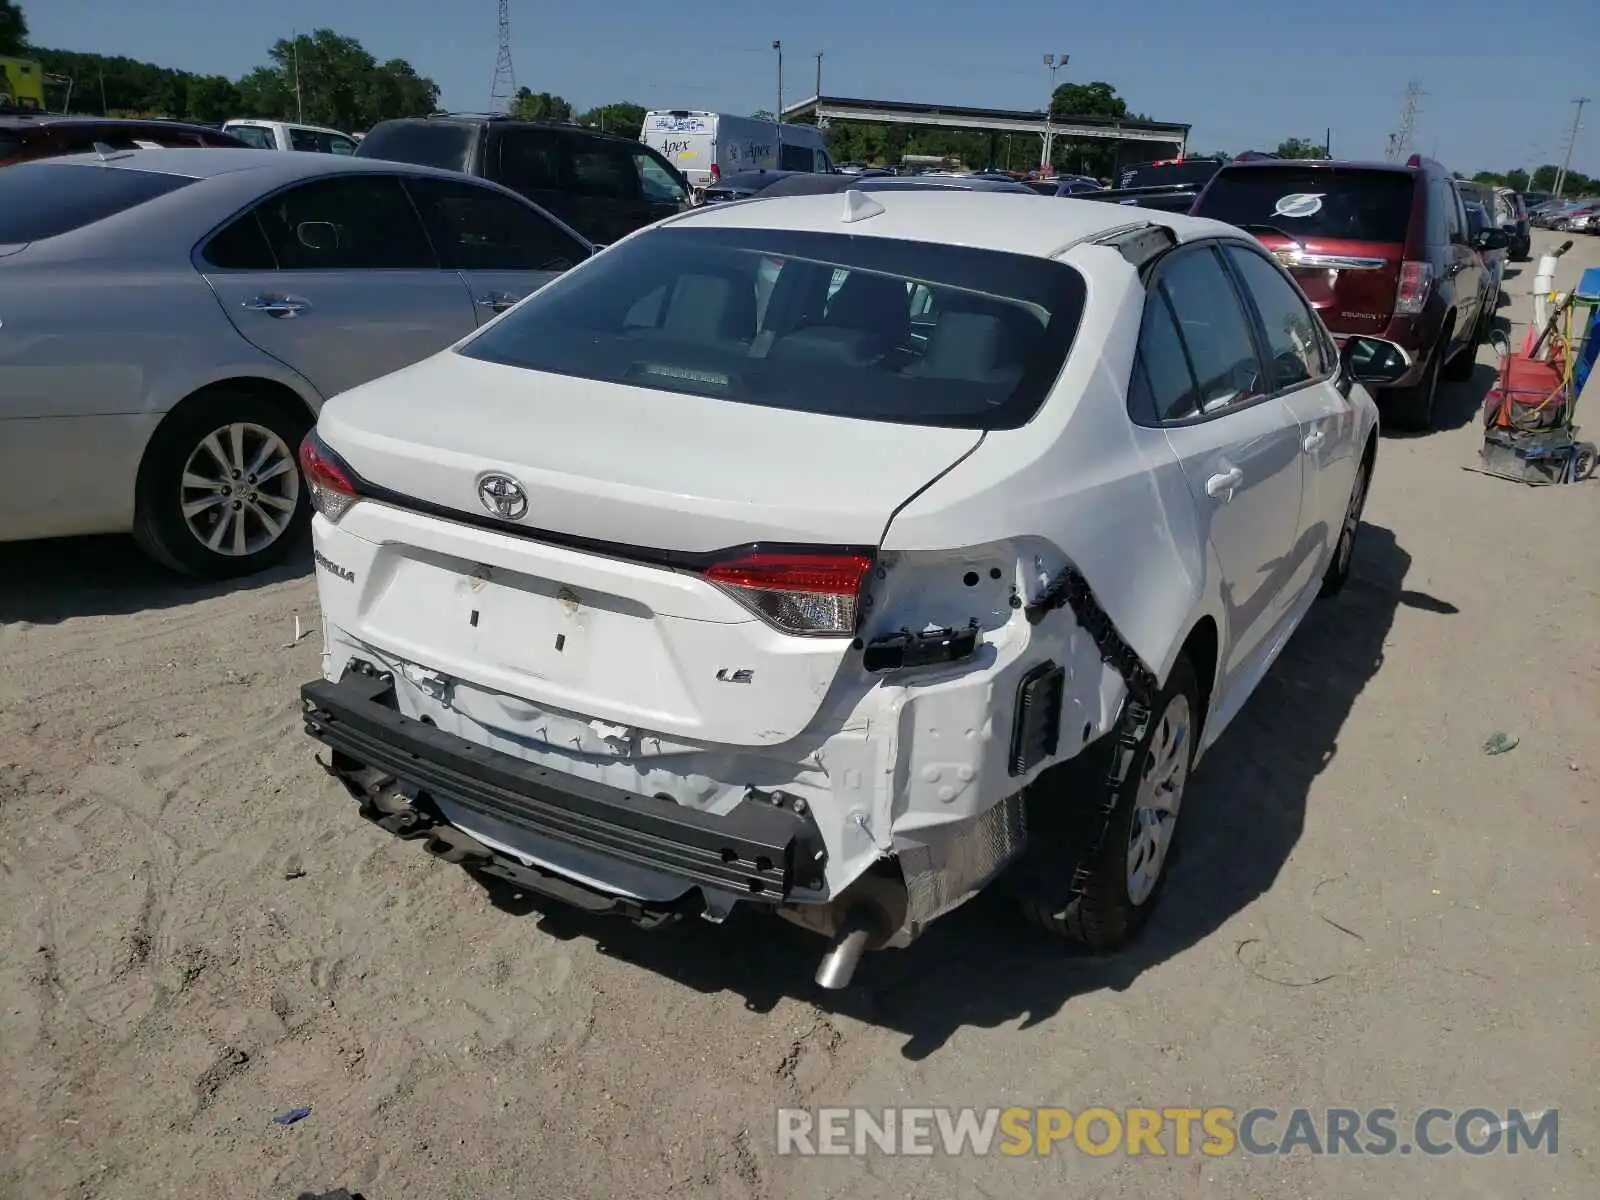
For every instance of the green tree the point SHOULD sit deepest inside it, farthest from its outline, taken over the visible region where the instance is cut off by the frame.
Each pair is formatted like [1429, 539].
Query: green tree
[1099, 100]
[529, 105]
[624, 117]
[212, 98]
[13, 28]
[1300, 148]
[325, 78]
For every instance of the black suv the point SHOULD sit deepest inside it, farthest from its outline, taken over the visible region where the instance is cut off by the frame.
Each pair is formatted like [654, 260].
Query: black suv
[1382, 250]
[603, 186]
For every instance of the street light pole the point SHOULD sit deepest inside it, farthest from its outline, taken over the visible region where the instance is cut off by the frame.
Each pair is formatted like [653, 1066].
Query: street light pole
[778, 46]
[1054, 62]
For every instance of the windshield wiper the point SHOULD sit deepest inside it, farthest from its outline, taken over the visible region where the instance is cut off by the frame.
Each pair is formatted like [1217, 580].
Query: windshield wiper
[1254, 226]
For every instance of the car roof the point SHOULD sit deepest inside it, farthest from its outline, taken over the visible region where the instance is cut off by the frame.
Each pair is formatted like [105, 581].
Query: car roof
[269, 123]
[1316, 164]
[1016, 223]
[501, 121]
[276, 168]
[58, 119]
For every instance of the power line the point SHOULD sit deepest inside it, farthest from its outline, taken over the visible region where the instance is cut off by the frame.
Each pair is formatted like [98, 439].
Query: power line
[504, 88]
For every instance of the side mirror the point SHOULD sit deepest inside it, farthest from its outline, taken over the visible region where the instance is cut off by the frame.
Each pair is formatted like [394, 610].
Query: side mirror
[1373, 360]
[1491, 239]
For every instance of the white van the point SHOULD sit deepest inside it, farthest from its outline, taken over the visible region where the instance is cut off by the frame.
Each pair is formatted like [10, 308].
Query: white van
[286, 135]
[705, 146]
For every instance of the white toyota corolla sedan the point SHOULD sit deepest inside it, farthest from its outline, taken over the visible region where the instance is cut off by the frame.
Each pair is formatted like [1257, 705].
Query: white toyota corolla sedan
[828, 553]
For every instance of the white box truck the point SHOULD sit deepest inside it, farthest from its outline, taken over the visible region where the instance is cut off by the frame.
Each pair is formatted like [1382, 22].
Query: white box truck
[706, 146]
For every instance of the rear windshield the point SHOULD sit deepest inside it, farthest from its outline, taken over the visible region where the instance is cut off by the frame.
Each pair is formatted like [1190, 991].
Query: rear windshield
[1347, 203]
[1168, 174]
[442, 144]
[45, 199]
[865, 327]
[254, 136]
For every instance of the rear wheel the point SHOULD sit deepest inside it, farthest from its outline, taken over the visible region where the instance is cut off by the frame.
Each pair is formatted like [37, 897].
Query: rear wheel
[1459, 368]
[1121, 882]
[1333, 580]
[1411, 408]
[219, 490]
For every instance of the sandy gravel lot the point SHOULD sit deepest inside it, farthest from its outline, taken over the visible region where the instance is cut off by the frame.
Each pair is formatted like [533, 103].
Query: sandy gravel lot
[198, 932]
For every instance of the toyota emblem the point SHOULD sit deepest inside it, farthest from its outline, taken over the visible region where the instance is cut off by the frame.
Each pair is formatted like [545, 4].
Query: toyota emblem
[503, 496]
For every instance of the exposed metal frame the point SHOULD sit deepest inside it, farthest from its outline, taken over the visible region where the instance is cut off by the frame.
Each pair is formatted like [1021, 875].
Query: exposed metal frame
[989, 120]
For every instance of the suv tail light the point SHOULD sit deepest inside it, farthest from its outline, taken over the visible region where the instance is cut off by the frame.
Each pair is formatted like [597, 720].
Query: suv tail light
[333, 490]
[810, 594]
[1416, 281]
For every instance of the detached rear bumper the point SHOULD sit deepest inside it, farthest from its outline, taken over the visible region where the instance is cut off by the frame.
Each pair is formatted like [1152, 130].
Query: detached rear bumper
[762, 850]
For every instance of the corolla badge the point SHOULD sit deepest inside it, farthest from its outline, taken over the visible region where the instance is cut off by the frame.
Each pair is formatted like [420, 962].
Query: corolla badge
[503, 496]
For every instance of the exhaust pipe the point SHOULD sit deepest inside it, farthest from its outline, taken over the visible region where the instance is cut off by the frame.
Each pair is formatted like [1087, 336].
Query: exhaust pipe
[838, 965]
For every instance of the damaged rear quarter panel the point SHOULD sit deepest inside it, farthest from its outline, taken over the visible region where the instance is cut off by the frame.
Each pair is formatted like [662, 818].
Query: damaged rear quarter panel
[1083, 479]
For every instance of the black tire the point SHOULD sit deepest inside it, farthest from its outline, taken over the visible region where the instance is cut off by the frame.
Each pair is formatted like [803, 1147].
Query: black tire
[1103, 913]
[1459, 368]
[1338, 572]
[179, 451]
[1411, 408]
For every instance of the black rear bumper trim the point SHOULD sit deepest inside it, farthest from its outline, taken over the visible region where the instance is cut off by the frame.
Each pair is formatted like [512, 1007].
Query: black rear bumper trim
[762, 850]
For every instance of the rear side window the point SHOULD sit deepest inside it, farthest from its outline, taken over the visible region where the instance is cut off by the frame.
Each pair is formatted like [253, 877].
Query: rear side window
[795, 158]
[442, 144]
[1214, 330]
[476, 228]
[871, 328]
[254, 135]
[604, 171]
[530, 160]
[353, 223]
[1346, 203]
[43, 199]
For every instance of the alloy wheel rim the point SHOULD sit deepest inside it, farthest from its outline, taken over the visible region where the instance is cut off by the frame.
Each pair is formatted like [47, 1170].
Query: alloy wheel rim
[239, 490]
[1155, 810]
[1352, 521]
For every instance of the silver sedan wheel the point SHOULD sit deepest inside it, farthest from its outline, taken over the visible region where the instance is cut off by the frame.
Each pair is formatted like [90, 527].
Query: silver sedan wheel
[1352, 521]
[1155, 812]
[241, 487]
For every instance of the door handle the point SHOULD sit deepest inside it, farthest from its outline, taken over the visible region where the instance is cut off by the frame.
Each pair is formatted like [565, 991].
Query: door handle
[1314, 439]
[277, 306]
[1221, 485]
[499, 301]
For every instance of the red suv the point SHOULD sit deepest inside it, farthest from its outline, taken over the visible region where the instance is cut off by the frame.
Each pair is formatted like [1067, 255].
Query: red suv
[1381, 250]
[23, 138]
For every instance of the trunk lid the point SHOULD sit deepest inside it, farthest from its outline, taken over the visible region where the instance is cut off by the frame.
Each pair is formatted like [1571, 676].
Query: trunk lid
[589, 624]
[633, 466]
[1342, 231]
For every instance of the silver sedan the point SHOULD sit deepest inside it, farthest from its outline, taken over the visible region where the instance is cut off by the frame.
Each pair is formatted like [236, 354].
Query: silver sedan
[172, 320]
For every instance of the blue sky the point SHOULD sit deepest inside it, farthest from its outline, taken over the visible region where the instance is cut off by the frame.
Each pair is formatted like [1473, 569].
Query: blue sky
[1498, 77]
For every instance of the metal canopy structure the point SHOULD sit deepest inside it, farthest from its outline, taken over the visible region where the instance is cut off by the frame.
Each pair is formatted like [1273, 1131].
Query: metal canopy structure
[821, 109]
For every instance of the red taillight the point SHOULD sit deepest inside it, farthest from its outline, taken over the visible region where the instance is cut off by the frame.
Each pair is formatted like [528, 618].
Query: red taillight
[1416, 281]
[332, 490]
[716, 173]
[810, 594]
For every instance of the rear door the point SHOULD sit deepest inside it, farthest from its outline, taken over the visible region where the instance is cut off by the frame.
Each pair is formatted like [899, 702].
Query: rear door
[620, 187]
[1200, 378]
[337, 279]
[504, 249]
[536, 163]
[1302, 367]
[1341, 231]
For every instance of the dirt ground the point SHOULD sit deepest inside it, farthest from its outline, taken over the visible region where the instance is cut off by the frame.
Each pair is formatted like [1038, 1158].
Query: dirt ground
[198, 932]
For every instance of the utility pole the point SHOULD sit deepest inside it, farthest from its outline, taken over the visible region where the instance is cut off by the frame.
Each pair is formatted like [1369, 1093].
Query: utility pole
[503, 89]
[1327, 143]
[818, 92]
[1572, 141]
[1053, 63]
[299, 108]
